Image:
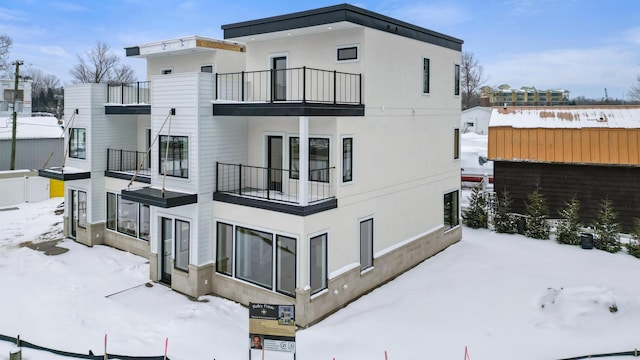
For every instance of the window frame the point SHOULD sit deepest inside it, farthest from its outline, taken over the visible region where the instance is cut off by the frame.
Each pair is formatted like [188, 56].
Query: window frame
[366, 252]
[294, 162]
[456, 143]
[77, 137]
[324, 247]
[146, 234]
[349, 47]
[182, 248]
[166, 71]
[453, 214]
[162, 151]
[229, 249]
[208, 66]
[347, 159]
[426, 75]
[82, 209]
[456, 79]
[240, 256]
[112, 211]
[120, 219]
[279, 265]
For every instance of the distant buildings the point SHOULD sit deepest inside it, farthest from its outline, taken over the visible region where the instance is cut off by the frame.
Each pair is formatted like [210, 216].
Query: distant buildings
[504, 95]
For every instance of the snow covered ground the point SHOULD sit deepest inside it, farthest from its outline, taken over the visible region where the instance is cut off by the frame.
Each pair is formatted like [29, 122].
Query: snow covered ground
[502, 296]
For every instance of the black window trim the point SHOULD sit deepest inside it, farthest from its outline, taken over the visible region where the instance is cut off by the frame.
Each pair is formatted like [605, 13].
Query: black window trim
[348, 48]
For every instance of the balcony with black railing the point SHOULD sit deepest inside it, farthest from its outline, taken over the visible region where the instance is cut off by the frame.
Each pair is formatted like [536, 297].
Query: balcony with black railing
[133, 98]
[300, 91]
[275, 189]
[125, 164]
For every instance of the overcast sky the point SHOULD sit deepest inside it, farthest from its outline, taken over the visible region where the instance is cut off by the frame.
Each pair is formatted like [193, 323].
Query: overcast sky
[583, 46]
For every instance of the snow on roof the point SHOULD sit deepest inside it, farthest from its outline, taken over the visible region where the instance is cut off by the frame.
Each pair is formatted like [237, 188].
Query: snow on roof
[567, 117]
[37, 127]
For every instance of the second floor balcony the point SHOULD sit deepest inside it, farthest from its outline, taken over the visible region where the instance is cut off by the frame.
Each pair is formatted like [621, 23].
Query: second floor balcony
[276, 189]
[125, 164]
[300, 91]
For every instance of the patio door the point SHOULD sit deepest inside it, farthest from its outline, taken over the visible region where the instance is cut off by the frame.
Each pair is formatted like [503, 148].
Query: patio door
[279, 78]
[166, 245]
[274, 162]
[73, 211]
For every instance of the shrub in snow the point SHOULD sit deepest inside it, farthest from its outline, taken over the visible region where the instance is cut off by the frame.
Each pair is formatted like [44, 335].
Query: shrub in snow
[607, 229]
[536, 217]
[568, 231]
[504, 221]
[633, 247]
[475, 216]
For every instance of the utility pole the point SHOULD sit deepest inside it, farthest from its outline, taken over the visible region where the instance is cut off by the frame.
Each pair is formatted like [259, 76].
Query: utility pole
[17, 63]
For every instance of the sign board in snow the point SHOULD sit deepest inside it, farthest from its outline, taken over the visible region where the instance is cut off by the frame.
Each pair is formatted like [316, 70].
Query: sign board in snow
[272, 327]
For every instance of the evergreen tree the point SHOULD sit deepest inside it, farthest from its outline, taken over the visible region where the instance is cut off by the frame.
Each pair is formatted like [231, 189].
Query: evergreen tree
[607, 229]
[569, 227]
[633, 247]
[476, 216]
[504, 221]
[536, 217]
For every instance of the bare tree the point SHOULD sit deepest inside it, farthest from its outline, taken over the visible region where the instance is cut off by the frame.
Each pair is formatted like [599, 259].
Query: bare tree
[472, 79]
[100, 66]
[123, 74]
[5, 46]
[634, 92]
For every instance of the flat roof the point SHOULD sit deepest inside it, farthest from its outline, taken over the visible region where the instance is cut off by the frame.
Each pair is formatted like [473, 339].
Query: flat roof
[337, 14]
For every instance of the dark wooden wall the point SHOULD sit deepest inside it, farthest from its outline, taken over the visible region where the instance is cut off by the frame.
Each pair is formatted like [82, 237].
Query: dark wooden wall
[559, 182]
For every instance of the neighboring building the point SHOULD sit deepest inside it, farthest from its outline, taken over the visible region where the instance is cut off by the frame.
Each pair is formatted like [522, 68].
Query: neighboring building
[590, 152]
[39, 142]
[23, 102]
[525, 96]
[476, 120]
[298, 161]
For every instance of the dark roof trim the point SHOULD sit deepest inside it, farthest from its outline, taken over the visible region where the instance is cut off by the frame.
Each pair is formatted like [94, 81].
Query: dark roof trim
[124, 176]
[62, 176]
[287, 109]
[155, 197]
[127, 109]
[275, 206]
[338, 13]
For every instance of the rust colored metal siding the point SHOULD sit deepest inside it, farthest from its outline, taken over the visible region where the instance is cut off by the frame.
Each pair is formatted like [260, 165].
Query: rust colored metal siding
[604, 146]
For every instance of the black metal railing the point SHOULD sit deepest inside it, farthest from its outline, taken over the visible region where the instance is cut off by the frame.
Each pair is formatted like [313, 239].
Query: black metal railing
[274, 184]
[291, 85]
[128, 161]
[133, 93]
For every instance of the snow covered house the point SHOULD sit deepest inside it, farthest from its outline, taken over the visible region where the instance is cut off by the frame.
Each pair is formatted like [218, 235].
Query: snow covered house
[39, 142]
[305, 159]
[476, 120]
[592, 152]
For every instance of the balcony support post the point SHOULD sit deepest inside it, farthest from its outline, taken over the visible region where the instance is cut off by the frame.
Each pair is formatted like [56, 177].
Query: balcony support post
[303, 162]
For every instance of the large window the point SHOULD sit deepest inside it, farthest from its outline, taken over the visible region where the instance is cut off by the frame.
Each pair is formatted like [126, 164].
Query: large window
[286, 265]
[250, 256]
[425, 75]
[456, 84]
[366, 244]
[224, 249]
[128, 217]
[318, 263]
[318, 159]
[174, 155]
[347, 159]
[77, 143]
[82, 209]
[111, 211]
[451, 210]
[456, 143]
[254, 256]
[183, 238]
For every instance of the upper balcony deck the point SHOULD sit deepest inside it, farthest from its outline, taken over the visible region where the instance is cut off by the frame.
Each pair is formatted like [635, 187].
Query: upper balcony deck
[284, 92]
